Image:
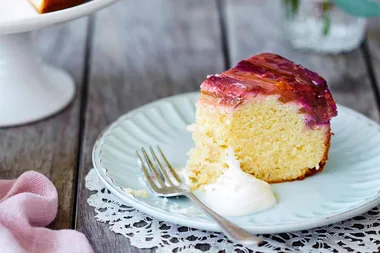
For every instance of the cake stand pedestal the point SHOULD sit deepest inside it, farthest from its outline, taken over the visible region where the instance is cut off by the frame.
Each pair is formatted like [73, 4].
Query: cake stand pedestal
[31, 90]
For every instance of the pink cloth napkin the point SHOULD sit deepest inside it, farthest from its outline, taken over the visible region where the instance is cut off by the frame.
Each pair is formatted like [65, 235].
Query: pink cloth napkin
[27, 205]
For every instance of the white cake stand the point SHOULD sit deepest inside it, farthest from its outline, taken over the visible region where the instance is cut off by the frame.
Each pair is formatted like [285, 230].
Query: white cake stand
[29, 89]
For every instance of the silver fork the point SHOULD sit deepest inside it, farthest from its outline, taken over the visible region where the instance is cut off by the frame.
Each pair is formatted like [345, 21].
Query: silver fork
[166, 183]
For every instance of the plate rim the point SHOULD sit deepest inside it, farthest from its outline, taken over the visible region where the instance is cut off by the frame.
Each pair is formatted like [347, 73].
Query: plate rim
[209, 225]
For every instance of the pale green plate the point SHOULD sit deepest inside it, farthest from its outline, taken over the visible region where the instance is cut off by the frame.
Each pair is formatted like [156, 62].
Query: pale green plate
[348, 186]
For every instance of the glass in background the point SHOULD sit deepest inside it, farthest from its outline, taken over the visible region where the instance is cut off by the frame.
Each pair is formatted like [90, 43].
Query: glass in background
[322, 26]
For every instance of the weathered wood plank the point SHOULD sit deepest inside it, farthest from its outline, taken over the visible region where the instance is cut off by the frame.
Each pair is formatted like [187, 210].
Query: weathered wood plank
[255, 26]
[373, 29]
[373, 54]
[50, 146]
[142, 51]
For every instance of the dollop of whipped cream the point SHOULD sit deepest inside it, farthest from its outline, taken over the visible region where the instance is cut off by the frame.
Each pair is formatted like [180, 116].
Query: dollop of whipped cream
[237, 193]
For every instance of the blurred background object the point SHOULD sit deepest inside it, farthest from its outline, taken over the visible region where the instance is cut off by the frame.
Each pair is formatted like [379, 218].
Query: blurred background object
[329, 26]
[30, 89]
[361, 8]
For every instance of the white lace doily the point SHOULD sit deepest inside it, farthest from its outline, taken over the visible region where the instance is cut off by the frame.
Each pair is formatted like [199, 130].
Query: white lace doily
[361, 234]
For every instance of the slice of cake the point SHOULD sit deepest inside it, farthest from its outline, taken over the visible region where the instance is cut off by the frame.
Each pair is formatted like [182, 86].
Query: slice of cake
[275, 116]
[44, 6]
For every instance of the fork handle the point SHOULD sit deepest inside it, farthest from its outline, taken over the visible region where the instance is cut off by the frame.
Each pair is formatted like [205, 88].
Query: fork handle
[232, 231]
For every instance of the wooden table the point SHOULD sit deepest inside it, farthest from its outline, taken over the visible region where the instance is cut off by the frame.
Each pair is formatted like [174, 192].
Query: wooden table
[135, 52]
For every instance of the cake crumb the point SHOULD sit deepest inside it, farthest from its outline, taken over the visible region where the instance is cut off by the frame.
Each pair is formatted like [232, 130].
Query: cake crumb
[137, 193]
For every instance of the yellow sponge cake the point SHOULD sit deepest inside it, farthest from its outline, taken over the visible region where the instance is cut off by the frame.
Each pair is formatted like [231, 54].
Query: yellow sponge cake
[275, 116]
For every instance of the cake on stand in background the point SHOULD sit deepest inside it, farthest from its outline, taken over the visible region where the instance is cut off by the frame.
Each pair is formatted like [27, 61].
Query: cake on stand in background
[30, 89]
[45, 6]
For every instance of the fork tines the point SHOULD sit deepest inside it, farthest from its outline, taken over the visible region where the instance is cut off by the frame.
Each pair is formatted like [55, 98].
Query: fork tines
[159, 174]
